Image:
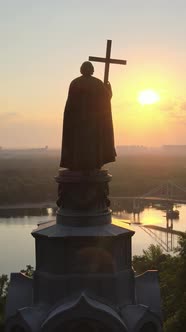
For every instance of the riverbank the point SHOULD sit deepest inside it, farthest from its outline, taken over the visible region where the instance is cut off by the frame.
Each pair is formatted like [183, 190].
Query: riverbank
[41, 205]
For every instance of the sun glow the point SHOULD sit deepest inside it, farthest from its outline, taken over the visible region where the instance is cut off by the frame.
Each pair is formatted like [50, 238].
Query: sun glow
[148, 97]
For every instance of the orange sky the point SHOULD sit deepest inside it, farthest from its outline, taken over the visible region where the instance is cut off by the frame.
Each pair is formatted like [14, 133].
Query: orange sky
[44, 44]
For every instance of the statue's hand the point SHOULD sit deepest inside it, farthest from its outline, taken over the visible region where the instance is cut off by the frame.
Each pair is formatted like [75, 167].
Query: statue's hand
[109, 88]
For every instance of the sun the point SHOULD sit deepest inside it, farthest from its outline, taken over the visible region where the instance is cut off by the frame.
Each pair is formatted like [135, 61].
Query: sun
[147, 97]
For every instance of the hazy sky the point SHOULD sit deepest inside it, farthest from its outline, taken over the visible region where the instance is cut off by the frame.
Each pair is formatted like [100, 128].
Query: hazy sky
[44, 42]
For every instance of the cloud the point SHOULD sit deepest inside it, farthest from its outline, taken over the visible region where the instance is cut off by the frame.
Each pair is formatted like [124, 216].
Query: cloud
[183, 106]
[9, 115]
[175, 110]
[9, 121]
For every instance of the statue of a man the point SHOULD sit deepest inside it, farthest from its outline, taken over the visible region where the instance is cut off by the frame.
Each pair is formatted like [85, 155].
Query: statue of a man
[88, 139]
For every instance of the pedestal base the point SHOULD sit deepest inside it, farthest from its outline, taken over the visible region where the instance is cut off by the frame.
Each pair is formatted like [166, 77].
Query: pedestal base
[83, 198]
[84, 279]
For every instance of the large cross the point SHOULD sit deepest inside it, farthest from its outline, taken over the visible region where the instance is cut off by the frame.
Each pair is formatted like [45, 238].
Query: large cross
[107, 60]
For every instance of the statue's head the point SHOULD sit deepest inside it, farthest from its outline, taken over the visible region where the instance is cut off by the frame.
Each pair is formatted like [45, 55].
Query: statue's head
[87, 68]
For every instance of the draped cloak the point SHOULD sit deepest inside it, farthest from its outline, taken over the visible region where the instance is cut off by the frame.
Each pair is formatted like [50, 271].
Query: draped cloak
[88, 138]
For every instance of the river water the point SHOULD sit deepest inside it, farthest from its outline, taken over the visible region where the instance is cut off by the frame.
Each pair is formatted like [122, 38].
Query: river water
[17, 243]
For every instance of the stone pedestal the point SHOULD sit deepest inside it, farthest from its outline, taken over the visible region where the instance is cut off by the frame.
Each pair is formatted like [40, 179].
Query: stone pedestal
[83, 198]
[84, 279]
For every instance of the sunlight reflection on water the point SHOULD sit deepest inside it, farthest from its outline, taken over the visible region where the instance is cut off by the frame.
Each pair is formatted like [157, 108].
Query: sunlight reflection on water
[17, 243]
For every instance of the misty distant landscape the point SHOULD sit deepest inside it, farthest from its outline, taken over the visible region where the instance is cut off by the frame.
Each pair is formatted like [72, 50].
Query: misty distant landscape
[27, 176]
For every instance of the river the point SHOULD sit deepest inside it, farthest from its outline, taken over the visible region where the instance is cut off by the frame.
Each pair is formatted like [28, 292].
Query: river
[17, 243]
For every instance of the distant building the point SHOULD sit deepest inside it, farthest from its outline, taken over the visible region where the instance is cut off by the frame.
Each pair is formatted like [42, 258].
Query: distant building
[174, 147]
[124, 149]
[179, 149]
[38, 149]
[23, 151]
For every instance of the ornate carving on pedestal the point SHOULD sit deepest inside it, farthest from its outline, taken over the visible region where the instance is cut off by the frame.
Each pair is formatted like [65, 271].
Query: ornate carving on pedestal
[92, 316]
[83, 190]
[83, 194]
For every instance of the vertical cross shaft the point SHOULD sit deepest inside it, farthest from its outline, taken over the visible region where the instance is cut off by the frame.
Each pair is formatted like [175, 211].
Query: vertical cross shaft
[107, 63]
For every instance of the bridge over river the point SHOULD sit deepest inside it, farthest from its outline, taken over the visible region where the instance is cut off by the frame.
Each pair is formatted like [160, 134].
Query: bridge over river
[167, 195]
[167, 191]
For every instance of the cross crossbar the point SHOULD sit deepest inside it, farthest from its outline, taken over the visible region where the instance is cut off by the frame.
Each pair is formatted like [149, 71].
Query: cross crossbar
[114, 61]
[107, 60]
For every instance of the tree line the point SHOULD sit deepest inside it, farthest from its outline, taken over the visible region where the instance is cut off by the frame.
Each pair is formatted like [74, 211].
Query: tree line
[31, 179]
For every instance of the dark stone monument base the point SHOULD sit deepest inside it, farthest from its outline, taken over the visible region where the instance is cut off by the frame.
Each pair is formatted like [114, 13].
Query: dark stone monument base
[84, 279]
[94, 284]
[83, 196]
[76, 218]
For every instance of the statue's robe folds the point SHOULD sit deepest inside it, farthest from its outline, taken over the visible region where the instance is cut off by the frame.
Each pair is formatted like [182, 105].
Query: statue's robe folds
[88, 139]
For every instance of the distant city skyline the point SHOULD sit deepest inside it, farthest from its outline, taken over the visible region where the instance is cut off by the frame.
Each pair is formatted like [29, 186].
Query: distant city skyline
[169, 147]
[43, 44]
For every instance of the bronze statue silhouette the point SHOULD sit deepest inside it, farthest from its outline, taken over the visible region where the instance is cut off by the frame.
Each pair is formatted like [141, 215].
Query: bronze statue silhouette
[88, 138]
